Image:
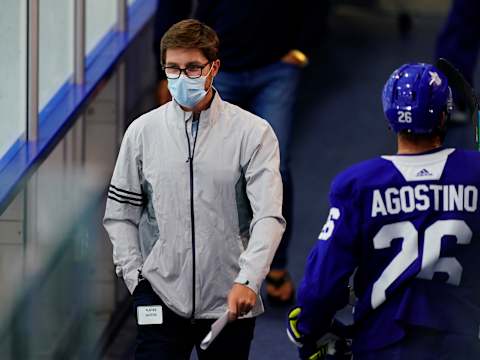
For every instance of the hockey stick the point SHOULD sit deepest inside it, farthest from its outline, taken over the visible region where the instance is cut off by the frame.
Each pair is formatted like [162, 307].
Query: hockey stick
[462, 87]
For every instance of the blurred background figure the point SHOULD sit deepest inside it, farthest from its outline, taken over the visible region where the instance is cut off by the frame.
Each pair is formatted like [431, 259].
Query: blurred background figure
[264, 46]
[459, 43]
[459, 40]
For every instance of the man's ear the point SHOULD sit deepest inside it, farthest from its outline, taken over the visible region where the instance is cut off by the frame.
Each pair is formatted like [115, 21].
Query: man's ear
[216, 67]
[213, 72]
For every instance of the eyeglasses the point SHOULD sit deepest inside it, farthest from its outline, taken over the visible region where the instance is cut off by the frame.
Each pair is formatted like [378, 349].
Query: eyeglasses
[191, 71]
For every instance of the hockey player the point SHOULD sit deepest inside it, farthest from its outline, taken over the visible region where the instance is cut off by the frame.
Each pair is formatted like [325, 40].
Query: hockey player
[409, 225]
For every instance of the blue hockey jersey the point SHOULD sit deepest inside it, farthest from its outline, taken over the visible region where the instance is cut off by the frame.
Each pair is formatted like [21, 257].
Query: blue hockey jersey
[409, 227]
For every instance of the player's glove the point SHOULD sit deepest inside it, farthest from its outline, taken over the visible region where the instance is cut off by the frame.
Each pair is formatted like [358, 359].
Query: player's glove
[307, 349]
[329, 346]
[292, 329]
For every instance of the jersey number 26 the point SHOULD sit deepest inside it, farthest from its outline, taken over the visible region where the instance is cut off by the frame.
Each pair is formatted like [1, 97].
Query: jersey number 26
[431, 260]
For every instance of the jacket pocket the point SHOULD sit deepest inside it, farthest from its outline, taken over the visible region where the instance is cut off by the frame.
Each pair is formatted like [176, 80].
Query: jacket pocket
[150, 261]
[165, 260]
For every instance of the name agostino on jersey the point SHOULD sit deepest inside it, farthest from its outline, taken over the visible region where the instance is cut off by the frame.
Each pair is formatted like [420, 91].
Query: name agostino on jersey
[424, 197]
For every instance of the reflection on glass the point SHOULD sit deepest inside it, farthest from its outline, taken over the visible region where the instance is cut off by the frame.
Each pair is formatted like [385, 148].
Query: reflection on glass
[48, 310]
[101, 17]
[13, 69]
[56, 46]
[50, 313]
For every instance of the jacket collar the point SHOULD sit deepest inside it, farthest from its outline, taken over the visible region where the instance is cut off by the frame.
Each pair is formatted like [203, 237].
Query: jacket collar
[207, 117]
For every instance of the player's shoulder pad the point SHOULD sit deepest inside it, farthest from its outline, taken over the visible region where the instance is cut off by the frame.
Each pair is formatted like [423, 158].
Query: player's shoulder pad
[467, 154]
[469, 159]
[348, 182]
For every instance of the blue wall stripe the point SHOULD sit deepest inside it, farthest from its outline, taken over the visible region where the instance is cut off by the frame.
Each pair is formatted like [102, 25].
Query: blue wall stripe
[60, 113]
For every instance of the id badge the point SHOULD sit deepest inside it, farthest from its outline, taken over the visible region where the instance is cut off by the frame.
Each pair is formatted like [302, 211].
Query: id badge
[150, 315]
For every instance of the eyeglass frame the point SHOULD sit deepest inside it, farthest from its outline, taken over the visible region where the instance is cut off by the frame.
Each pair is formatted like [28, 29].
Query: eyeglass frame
[184, 70]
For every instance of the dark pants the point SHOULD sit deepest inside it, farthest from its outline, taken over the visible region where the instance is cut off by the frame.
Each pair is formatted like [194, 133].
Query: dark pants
[177, 336]
[427, 345]
[269, 92]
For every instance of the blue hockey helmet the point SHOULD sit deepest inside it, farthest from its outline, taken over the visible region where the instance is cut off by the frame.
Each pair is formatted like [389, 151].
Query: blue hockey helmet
[414, 96]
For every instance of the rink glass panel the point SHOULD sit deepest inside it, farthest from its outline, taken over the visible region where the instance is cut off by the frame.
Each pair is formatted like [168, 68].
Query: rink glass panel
[101, 17]
[13, 70]
[56, 26]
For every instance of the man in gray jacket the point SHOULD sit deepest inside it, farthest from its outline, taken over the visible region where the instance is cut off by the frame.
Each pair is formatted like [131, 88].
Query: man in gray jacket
[194, 209]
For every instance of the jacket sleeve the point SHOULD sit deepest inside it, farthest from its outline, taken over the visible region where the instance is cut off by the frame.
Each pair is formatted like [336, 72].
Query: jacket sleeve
[264, 191]
[324, 288]
[123, 211]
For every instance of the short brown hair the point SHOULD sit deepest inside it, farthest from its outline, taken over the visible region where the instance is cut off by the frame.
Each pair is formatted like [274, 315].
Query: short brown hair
[191, 34]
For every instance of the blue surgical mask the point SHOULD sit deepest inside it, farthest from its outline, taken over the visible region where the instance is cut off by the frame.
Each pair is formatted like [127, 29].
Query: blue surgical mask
[188, 92]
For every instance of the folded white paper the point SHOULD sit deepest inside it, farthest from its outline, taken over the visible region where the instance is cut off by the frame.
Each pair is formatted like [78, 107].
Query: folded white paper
[215, 329]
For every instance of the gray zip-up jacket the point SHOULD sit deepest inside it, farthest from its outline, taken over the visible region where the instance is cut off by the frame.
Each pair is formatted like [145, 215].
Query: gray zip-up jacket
[196, 211]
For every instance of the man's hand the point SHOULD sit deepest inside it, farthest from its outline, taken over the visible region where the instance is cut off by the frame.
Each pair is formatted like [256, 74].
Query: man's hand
[163, 94]
[241, 300]
[295, 57]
